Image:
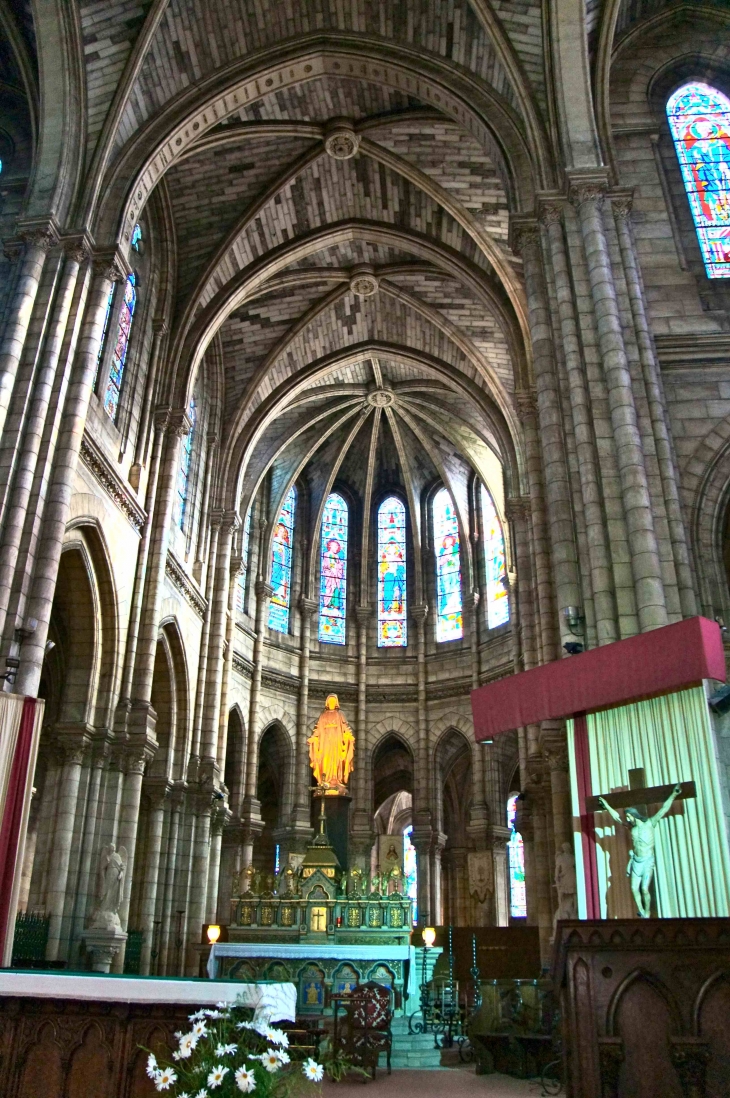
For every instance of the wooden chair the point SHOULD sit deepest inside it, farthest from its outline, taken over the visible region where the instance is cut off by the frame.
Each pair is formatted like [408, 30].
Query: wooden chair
[365, 1031]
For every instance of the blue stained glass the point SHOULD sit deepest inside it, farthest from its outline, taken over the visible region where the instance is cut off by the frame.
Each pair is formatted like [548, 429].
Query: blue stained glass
[516, 856]
[410, 871]
[183, 472]
[392, 623]
[449, 620]
[281, 559]
[699, 118]
[245, 545]
[496, 568]
[119, 357]
[333, 571]
[136, 237]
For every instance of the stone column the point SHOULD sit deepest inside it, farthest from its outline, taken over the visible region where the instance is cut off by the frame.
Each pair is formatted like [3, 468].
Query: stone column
[555, 750]
[162, 415]
[38, 235]
[422, 841]
[137, 757]
[58, 503]
[85, 893]
[362, 817]
[217, 824]
[599, 556]
[535, 793]
[236, 567]
[301, 828]
[218, 628]
[587, 194]
[555, 469]
[73, 748]
[422, 777]
[157, 793]
[199, 877]
[176, 801]
[32, 434]
[500, 838]
[216, 520]
[621, 207]
[251, 808]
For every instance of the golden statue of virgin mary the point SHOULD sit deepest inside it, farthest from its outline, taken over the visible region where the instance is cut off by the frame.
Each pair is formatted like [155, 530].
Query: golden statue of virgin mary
[331, 747]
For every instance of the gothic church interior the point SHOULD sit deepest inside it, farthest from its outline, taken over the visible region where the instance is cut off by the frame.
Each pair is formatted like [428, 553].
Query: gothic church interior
[370, 348]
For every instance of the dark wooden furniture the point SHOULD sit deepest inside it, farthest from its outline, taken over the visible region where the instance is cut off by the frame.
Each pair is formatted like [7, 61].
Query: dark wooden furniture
[645, 1007]
[365, 1030]
[523, 1055]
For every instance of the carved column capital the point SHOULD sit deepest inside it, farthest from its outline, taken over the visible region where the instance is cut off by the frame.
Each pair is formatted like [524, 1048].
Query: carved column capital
[590, 186]
[157, 791]
[160, 327]
[263, 589]
[419, 612]
[161, 417]
[38, 232]
[308, 607]
[526, 404]
[517, 508]
[110, 264]
[551, 210]
[179, 423]
[78, 247]
[236, 568]
[525, 236]
[231, 520]
[622, 204]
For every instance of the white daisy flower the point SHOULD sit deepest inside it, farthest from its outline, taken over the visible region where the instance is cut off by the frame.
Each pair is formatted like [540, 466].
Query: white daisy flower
[245, 1079]
[165, 1079]
[276, 1036]
[245, 1025]
[202, 1093]
[270, 1061]
[200, 1029]
[213, 1014]
[216, 1076]
[283, 1057]
[187, 1043]
[312, 1070]
[151, 1065]
[225, 1050]
[196, 1017]
[223, 1006]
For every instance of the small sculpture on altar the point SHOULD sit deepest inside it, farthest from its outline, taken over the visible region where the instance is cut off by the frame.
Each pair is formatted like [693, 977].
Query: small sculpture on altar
[566, 885]
[331, 748]
[642, 858]
[109, 888]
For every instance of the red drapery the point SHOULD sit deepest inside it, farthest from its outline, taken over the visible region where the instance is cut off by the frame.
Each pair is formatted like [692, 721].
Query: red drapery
[13, 814]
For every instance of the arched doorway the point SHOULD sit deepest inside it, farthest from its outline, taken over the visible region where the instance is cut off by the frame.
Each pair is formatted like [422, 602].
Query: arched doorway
[272, 792]
[455, 781]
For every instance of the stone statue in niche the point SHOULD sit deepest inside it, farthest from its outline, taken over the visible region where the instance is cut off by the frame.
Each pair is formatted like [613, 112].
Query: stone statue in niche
[109, 888]
[642, 858]
[566, 885]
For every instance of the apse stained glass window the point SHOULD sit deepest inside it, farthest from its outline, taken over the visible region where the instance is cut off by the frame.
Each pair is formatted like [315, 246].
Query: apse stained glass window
[494, 560]
[699, 118]
[333, 571]
[516, 860]
[281, 560]
[392, 624]
[119, 355]
[186, 457]
[449, 622]
[410, 871]
[245, 546]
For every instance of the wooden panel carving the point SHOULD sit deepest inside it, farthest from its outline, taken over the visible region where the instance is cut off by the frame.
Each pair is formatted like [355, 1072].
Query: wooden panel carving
[645, 1007]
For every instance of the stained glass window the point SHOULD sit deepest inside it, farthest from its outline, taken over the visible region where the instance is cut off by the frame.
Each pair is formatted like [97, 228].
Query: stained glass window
[333, 571]
[449, 623]
[281, 565]
[699, 118]
[496, 568]
[392, 624]
[245, 546]
[136, 237]
[516, 856]
[410, 871]
[183, 472]
[119, 356]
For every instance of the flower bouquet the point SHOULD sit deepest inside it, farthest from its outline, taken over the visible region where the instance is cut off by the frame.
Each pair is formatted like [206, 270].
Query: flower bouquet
[226, 1054]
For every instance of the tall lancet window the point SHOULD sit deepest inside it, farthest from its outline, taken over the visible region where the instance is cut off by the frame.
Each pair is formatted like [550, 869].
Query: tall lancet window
[119, 355]
[392, 623]
[449, 619]
[281, 561]
[495, 565]
[333, 571]
[699, 118]
[516, 857]
[183, 472]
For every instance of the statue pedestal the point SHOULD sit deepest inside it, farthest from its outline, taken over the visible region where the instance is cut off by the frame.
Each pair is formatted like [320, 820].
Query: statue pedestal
[103, 945]
[337, 813]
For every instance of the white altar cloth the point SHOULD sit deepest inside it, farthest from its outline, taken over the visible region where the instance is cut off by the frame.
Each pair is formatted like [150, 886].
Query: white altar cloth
[304, 952]
[273, 1002]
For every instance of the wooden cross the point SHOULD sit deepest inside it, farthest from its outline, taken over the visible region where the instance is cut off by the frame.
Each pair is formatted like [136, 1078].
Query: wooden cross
[639, 793]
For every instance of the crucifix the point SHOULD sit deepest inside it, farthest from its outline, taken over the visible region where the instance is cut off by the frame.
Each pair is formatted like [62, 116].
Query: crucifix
[635, 801]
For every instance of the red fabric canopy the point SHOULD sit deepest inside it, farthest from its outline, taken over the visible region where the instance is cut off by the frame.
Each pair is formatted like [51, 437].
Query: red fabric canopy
[665, 659]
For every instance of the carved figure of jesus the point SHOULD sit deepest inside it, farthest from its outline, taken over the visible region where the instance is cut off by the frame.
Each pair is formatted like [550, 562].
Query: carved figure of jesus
[642, 860]
[331, 746]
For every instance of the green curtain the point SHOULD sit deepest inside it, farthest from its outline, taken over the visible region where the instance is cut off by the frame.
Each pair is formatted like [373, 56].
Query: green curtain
[672, 738]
